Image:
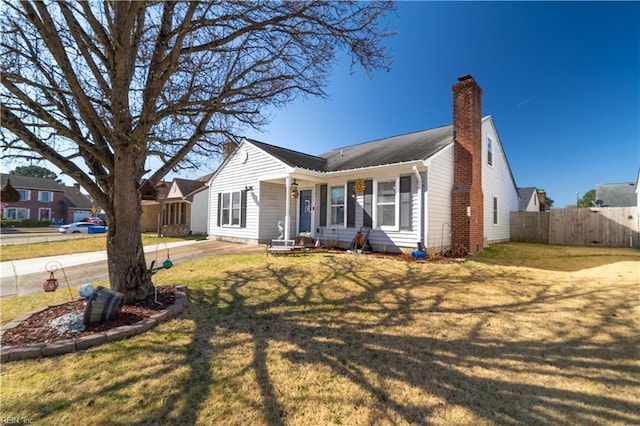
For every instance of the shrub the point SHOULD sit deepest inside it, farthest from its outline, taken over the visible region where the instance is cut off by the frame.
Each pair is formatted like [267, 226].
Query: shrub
[13, 223]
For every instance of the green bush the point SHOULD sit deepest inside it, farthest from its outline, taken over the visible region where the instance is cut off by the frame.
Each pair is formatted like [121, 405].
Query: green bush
[12, 223]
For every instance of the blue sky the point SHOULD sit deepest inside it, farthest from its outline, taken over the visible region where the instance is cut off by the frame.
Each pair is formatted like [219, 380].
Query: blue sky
[561, 80]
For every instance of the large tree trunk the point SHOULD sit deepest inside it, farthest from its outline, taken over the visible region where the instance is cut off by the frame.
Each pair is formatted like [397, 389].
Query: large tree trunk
[127, 267]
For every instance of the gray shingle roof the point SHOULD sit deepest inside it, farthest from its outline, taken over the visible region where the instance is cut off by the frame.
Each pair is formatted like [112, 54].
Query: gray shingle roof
[397, 149]
[28, 182]
[292, 158]
[617, 194]
[189, 187]
[525, 196]
[76, 199]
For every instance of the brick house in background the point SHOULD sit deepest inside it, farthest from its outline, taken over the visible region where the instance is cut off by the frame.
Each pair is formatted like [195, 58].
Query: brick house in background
[45, 199]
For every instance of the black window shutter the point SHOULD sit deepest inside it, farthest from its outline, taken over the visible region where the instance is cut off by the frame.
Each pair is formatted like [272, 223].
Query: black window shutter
[243, 209]
[405, 202]
[323, 205]
[351, 204]
[367, 219]
[219, 206]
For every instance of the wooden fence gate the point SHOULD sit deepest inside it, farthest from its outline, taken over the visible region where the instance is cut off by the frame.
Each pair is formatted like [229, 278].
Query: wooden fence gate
[605, 226]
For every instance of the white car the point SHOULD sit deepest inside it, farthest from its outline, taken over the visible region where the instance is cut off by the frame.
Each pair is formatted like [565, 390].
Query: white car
[82, 227]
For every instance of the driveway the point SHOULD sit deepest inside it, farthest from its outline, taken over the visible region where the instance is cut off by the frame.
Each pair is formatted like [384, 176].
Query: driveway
[21, 277]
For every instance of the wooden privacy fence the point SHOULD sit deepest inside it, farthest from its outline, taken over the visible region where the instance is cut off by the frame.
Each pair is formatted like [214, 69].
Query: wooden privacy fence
[606, 226]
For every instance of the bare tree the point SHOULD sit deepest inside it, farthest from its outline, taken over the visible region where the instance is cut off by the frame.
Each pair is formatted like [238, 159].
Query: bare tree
[99, 88]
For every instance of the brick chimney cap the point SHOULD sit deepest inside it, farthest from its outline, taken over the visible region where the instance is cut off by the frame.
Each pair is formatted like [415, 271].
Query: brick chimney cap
[465, 77]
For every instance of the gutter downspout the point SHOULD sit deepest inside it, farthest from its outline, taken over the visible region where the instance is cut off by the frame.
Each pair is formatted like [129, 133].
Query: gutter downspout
[420, 204]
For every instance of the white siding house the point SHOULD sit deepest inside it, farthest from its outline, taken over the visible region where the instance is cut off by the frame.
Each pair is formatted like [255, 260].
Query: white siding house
[499, 199]
[438, 195]
[398, 188]
[200, 212]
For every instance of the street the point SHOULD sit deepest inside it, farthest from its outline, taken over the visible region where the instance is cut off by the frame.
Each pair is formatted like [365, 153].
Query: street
[21, 277]
[40, 237]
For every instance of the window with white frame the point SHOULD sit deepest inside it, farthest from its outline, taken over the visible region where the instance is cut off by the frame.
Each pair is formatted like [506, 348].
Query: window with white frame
[386, 203]
[24, 194]
[337, 205]
[16, 213]
[489, 151]
[495, 210]
[235, 208]
[45, 196]
[230, 208]
[405, 203]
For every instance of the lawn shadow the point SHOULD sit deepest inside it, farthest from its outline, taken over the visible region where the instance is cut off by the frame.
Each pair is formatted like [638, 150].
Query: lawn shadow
[351, 330]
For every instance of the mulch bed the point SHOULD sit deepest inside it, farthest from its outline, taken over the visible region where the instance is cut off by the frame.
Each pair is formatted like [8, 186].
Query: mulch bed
[35, 330]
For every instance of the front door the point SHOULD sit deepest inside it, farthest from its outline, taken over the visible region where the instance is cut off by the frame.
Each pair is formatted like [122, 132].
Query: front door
[305, 211]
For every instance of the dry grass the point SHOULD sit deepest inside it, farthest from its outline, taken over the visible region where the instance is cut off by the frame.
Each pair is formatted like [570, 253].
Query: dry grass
[340, 339]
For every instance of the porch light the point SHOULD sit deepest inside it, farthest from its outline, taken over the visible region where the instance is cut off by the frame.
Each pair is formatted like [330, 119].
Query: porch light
[294, 189]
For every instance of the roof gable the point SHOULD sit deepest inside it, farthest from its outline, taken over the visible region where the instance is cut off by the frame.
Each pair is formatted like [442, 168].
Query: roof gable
[183, 188]
[525, 195]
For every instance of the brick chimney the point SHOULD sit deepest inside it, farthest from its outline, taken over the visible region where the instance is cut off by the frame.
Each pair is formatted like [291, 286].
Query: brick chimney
[228, 148]
[542, 199]
[467, 212]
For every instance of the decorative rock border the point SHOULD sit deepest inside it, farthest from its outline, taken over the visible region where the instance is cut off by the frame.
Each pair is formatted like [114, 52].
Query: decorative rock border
[59, 347]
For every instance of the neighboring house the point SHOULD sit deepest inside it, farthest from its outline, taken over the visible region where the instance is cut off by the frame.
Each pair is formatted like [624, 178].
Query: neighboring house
[45, 199]
[180, 209]
[617, 194]
[532, 200]
[638, 195]
[79, 205]
[447, 186]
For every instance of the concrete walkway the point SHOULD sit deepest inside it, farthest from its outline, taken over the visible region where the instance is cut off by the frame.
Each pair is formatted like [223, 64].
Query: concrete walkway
[38, 264]
[21, 277]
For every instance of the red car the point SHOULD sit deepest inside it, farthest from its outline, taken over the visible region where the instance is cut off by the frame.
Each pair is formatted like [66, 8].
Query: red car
[94, 220]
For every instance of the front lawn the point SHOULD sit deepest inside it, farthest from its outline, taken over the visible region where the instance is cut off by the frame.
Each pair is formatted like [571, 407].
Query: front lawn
[346, 339]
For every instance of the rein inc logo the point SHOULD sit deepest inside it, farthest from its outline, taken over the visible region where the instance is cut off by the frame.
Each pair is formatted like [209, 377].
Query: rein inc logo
[15, 420]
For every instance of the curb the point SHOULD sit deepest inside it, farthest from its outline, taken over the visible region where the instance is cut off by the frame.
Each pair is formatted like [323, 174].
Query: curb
[59, 347]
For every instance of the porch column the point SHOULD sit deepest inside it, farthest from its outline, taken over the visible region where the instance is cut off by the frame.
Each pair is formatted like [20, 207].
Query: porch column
[287, 209]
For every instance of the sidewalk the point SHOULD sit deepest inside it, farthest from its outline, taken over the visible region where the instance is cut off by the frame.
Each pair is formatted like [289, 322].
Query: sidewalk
[38, 264]
[22, 277]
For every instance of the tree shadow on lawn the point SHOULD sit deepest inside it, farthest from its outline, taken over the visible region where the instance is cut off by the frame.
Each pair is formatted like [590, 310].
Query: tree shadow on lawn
[404, 354]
